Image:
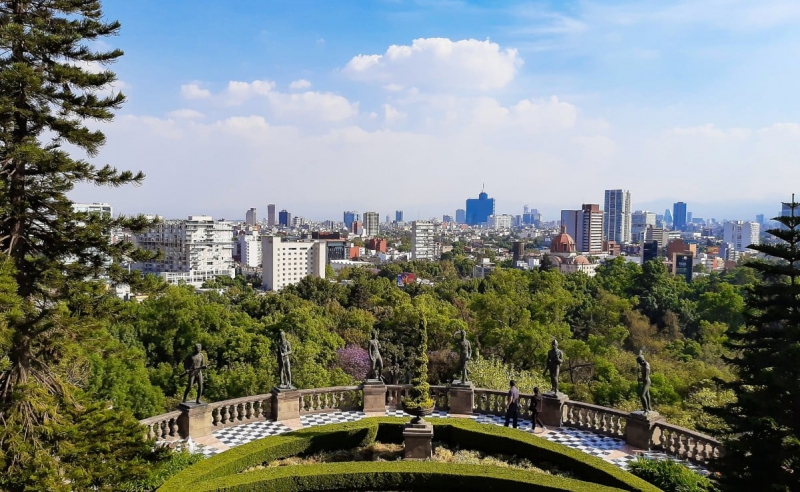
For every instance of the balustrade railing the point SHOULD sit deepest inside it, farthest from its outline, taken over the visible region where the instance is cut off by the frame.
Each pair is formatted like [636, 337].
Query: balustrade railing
[491, 402]
[162, 427]
[240, 410]
[395, 393]
[594, 418]
[684, 443]
[441, 397]
[339, 398]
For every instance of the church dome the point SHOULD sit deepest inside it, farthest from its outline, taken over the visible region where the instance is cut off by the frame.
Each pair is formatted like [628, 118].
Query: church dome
[582, 260]
[563, 243]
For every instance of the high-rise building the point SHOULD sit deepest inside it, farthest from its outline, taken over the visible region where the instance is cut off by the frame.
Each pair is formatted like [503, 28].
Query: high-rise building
[531, 217]
[271, 215]
[250, 247]
[371, 223]
[741, 234]
[398, 216]
[688, 217]
[93, 208]
[284, 218]
[193, 250]
[617, 223]
[679, 216]
[760, 219]
[423, 243]
[502, 221]
[668, 218]
[250, 217]
[447, 218]
[288, 262]
[586, 227]
[350, 217]
[461, 216]
[639, 222]
[479, 209]
[649, 251]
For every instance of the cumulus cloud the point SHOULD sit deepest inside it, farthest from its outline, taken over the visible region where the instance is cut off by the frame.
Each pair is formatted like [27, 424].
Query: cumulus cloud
[324, 105]
[300, 84]
[439, 63]
[239, 92]
[186, 114]
[391, 114]
[194, 91]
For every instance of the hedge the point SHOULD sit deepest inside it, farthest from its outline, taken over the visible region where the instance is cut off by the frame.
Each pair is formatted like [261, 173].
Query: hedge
[464, 433]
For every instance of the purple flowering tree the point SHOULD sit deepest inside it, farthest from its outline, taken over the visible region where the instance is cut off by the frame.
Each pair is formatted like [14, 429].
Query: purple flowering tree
[354, 360]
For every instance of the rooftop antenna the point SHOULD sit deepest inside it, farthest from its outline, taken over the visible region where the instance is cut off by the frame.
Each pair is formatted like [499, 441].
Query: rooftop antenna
[483, 187]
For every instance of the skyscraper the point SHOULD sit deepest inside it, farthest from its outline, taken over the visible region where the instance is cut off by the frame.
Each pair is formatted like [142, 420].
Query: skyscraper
[350, 217]
[617, 223]
[679, 216]
[250, 217]
[667, 217]
[760, 219]
[585, 226]
[371, 223]
[639, 222]
[423, 244]
[271, 214]
[740, 234]
[461, 216]
[284, 218]
[479, 209]
[398, 216]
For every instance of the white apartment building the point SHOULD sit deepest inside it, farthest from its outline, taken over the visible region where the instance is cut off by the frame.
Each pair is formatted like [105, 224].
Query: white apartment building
[371, 224]
[741, 234]
[423, 240]
[617, 223]
[97, 208]
[194, 250]
[250, 247]
[503, 221]
[288, 262]
[640, 220]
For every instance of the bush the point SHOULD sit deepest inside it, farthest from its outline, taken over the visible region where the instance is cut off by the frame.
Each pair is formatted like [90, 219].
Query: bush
[173, 463]
[222, 472]
[670, 476]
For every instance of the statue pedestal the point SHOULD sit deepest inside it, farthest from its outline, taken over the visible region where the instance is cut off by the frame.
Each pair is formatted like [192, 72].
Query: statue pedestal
[639, 428]
[374, 395]
[285, 403]
[194, 420]
[552, 408]
[462, 398]
[417, 439]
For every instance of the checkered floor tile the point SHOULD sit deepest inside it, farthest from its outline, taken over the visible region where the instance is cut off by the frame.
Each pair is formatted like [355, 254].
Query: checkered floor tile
[330, 418]
[241, 434]
[588, 442]
[400, 413]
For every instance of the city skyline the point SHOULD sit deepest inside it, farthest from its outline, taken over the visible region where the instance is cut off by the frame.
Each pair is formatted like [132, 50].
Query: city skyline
[632, 96]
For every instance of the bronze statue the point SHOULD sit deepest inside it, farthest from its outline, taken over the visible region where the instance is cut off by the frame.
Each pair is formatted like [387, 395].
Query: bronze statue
[284, 365]
[644, 378]
[465, 353]
[194, 365]
[554, 359]
[375, 357]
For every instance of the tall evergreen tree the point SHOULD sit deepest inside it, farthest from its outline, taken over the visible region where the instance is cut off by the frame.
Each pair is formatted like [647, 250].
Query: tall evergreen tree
[763, 422]
[52, 82]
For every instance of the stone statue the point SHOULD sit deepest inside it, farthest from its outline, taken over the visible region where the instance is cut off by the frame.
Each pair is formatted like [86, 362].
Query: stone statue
[554, 359]
[375, 357]
[465, 353]
[644, 378]
[284, 365]
[194, 365]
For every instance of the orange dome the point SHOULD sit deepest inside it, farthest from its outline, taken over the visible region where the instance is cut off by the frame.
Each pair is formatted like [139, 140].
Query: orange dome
[582, 260]
[563, 243]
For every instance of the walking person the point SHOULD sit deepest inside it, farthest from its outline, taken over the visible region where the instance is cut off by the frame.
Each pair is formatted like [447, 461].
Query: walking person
[512, 404]
[536, 409]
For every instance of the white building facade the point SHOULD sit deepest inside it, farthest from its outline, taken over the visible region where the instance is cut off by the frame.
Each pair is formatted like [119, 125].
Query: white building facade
[503, 221]
[194, 250]
[250, 247]
[740, 234]
[288, 262]
[423, 240]
[640, 220]
[371, 224]
[617, 223]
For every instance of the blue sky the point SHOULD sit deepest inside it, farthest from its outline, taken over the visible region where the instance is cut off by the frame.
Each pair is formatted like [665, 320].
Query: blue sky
[325, 106]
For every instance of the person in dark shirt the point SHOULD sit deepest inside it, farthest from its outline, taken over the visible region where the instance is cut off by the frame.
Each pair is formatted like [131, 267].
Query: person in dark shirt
[536, 409]
[512, 404]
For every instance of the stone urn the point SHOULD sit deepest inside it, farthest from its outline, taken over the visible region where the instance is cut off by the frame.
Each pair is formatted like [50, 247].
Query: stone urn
[418, 413]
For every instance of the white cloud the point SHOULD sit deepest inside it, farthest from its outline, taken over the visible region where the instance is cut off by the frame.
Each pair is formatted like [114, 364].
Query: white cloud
[439, 63]
[194, 91]
[323, 105]
[391, 114]
[186, 114]
[239, 92]
[300, 84]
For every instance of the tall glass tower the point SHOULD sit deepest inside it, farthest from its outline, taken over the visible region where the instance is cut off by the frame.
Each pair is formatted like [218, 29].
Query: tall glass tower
[479, 209]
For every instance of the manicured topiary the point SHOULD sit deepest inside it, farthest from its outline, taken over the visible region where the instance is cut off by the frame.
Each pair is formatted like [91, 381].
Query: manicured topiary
[419, 395]
[670, 476]
[223, 471]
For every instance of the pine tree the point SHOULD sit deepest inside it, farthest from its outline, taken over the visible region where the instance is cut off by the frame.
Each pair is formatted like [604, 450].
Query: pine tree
[52, 83]
[762, 442]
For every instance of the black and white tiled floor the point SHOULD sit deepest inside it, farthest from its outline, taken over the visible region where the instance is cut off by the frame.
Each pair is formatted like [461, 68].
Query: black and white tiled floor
[608, 448]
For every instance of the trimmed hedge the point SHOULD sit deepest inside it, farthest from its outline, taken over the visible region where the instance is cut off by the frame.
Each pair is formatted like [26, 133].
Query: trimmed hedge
[398, 475]
[223, 470]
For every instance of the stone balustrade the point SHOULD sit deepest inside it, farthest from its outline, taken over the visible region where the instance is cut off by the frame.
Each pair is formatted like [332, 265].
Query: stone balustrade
[229, 413]
[643, 431]
[162, 427]
[594, 418]
[684, 443]
[324, 400]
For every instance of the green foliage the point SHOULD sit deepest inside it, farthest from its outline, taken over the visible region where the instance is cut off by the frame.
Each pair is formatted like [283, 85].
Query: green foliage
[419, 395]
[171, 464]
[494, 374]
[763, 421]
[670, 476]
